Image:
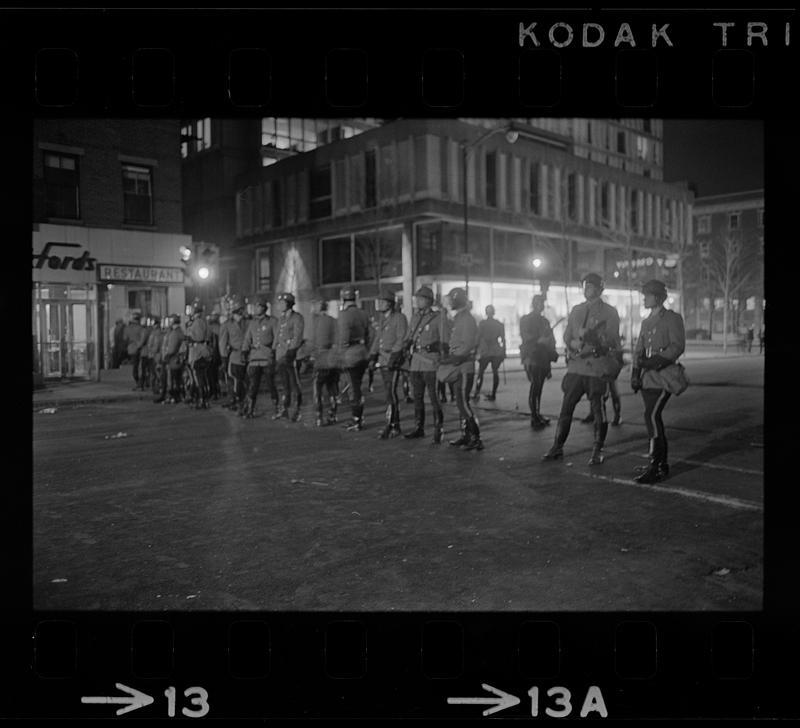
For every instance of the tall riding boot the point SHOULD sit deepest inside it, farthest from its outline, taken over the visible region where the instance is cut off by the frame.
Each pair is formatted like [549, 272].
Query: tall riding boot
[544, 420]
[394, 425]
[600, 432]
[332, 411]
[615, 403]
[473, 435]
[387, 428]
[319, 421]
[657, 469]
[356, 423]
[556, 452]
[281, 410]
[464, 439]
[419, 425]
[438, 428]
[251, 408]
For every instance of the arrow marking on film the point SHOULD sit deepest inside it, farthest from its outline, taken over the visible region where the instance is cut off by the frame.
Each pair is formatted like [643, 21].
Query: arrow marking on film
[500, 703]
[136, 700]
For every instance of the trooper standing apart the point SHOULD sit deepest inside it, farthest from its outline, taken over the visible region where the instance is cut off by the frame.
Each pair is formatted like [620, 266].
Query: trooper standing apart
[461, 354]
[354, 339]
[592, 339]
[215, 359]
[538, 352]
[326, 364]
[661, 341]
[257, 346]
[424, 341]
[289, 339]
[154, 341]
[199, 355]
[491, 350]
[135, 339]
[387, 349]
[231, 339]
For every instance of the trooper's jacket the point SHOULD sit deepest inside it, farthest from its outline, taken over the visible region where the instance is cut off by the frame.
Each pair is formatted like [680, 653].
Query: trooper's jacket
[532, 327]
[197, 336]
[426, 332]
[154, 342]
[354, 335]
[490, 333]
[171, 345]
[231, 338]
[463, 340]
[135, 337]
[323, 338]
[289, 333]
[259, 340]
[604, 320]
[662, 334]
[392, 330]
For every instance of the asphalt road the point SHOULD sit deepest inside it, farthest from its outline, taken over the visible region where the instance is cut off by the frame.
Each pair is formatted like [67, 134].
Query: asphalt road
[203, 510]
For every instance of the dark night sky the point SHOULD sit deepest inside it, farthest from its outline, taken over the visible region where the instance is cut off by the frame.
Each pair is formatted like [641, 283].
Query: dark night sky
[718, 156]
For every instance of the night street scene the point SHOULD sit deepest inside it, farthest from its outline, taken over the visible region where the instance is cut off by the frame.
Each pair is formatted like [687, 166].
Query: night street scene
[366, 364]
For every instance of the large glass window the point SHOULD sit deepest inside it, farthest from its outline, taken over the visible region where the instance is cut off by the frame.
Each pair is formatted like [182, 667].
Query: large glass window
[533, 189]
[572, 197]
[491, 179]
[379, 255]
[195, 136]
[137, 192]
[513, 255]
[370, 187]
[320, 192]
[336, 260]
[62, 191]
[429, 248]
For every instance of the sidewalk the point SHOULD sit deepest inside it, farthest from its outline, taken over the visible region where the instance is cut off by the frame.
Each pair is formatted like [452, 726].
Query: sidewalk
[117, 384]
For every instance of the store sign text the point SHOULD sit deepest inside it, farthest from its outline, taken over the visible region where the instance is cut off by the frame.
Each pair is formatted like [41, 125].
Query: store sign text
[85, 262]
[151, 274]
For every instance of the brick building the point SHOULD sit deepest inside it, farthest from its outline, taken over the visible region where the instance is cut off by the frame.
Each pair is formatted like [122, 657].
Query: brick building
[106, 235]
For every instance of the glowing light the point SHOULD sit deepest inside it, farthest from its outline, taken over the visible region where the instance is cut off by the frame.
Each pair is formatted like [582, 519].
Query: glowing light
[185, 253]
[537, 262]
[203, 272]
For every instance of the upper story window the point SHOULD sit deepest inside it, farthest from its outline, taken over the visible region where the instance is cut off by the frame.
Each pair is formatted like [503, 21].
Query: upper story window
[572, 197]
[704, 224]
[62, 188]
[533, 185]
[734, 221]
[137, 193]
[302, 135]
[621, 142]
[195, 136]
[491, 179]
[642, 146]
[370, 177]
[320, 192]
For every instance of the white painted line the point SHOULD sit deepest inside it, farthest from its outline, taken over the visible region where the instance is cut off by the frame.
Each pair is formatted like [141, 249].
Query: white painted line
[724, 500]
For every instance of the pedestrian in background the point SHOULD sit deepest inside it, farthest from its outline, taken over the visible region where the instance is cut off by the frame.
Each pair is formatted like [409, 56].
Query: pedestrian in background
[750, 336]
[135, 339]
[537, 352]
[661, 342]
[491, 351]
[592, 338]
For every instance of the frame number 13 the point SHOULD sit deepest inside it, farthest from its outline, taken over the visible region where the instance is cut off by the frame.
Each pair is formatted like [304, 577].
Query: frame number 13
[198, 697]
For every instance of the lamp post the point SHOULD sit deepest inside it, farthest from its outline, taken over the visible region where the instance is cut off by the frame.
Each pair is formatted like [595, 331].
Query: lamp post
[511, 137]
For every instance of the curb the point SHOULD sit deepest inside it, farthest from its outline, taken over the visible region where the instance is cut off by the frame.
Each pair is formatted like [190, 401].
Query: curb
[78, 401]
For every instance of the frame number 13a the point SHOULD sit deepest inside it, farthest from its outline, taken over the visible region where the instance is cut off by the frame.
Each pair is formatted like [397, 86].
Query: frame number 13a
[197, 696]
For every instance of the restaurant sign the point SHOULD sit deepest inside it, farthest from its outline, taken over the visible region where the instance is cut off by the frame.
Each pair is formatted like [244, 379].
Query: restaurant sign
[140, 274]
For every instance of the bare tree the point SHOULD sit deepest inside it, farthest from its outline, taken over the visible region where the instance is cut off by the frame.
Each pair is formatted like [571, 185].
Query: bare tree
[730, 266]
[373, 253]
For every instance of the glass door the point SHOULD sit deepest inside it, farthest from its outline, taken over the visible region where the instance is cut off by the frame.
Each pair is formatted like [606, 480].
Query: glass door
[67, 341]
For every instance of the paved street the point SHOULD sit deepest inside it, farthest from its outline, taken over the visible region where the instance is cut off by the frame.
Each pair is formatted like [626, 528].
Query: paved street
[203, 510]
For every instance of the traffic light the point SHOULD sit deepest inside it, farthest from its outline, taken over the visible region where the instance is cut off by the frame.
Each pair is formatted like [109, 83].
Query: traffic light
[203, 264]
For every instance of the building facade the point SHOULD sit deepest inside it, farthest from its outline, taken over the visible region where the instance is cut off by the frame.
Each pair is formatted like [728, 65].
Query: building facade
[106, 235]
[386, 208]
[726, 265]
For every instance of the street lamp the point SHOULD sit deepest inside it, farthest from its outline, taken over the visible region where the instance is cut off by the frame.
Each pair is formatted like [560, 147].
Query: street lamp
[511, 137]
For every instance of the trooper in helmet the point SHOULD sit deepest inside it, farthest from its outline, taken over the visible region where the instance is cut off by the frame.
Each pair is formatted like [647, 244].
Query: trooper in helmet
[459, 364]
[354, 335]
[491, 350]
[592, 339]
[288, 340]
[661, 342]
[154, 341]
[258, 346]
[172, 361]
[135, 340]
[199, 356]
[387, 351]
[427, 331]
[231, 339]
[214, 362]
[538, 352]
[324, 354]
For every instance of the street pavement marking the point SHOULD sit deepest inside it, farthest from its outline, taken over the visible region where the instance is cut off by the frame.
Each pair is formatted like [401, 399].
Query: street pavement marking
[697, 494]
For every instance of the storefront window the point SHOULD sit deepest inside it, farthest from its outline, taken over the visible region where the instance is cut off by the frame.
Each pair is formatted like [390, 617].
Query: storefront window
[379, 255]
[440, 249]
[513, 253]
[336, 260]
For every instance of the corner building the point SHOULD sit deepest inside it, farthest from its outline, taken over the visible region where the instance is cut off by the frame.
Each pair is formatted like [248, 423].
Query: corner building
[106, 235]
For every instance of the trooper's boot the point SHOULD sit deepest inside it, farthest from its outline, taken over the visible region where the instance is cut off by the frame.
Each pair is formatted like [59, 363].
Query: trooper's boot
[332, 411]
[438, 428]
[251, 408]
[617, 412]
[296, 416]
[544, 420]
[419, 425]
[658, 469]
[387, 428]
[464, 439]
[556, 452]
[473, 436]
[357, 421]
[319, 421]
[600, 432]
[281, 411]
